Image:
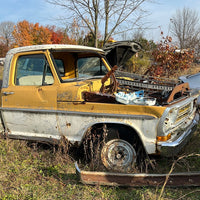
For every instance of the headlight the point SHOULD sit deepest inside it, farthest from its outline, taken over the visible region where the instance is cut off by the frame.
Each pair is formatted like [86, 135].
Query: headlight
[167, 123]
[173, 118]
[170, 119]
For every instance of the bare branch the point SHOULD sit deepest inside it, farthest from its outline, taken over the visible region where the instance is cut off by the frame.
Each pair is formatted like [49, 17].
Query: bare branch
[107, 14]
[6, 29]
[185, 27]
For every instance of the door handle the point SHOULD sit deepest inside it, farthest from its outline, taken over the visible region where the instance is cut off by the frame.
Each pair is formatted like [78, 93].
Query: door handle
[8, 93]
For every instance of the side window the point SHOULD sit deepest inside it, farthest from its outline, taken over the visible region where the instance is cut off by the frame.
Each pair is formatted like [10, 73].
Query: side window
[33, 70]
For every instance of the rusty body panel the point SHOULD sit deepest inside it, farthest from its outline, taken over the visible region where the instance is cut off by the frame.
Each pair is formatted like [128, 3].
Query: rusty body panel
[184, 179]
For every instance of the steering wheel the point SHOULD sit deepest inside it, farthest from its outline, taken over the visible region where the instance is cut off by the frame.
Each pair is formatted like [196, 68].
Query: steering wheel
[111, 88]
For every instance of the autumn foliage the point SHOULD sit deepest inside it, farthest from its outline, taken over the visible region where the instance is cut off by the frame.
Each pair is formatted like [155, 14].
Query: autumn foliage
[59, 36]
[168, 60]
[26, 34]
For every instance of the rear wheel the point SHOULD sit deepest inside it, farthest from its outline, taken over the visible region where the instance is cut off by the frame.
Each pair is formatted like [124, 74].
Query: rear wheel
[118, 155]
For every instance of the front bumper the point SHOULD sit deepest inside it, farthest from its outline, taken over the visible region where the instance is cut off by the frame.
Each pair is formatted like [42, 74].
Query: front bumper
[173, 147]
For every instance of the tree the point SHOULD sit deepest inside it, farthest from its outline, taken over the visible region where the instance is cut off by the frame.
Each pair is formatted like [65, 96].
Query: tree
[185, 27]
[26, 33]
[75, 32]
[40, 34]
[147, 45]
[107, 15]
[56, 35]
[60, 36]
[6, 29]
[3, 50]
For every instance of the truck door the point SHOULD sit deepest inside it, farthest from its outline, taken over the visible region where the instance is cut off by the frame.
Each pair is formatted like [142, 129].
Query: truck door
[31, 96]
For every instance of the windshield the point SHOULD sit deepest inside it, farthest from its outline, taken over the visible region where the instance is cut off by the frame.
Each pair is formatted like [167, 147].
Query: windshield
[91, 66]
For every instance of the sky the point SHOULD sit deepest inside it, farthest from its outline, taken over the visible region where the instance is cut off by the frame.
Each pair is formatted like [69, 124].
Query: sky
[47, 14]
[162, 11]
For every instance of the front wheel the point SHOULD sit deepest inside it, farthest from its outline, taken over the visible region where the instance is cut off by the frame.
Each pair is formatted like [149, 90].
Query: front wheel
[118, 155]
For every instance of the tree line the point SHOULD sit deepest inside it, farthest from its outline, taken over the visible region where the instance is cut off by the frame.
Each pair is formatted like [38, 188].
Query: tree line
[93, 23]
[88, 22]
[25, 33]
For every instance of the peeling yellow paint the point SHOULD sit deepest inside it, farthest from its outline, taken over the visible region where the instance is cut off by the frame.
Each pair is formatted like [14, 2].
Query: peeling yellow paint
[154, 111]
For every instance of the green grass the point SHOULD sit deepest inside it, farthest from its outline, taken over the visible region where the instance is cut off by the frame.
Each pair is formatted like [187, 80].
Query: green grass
[188, 159]
[35, 172]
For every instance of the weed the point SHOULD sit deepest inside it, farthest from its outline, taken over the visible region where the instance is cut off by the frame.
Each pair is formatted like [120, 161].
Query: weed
[47, 172]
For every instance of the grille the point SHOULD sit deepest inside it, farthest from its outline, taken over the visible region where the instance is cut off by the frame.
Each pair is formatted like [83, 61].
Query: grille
[184, 111]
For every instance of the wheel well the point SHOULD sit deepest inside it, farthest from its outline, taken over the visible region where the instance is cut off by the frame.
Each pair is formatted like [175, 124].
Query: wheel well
[99, 134]
[119, 131]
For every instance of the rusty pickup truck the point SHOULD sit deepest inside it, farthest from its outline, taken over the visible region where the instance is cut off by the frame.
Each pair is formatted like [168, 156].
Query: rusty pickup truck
[55, 91]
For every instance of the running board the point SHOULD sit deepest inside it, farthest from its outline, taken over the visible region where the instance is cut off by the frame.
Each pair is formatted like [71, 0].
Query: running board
[142, 179]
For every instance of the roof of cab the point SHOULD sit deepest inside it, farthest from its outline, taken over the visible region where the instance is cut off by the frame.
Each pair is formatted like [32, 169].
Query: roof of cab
[58, 47]
[54, 47]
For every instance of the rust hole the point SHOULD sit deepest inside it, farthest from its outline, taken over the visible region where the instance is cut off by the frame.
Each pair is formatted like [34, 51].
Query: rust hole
[68, 124]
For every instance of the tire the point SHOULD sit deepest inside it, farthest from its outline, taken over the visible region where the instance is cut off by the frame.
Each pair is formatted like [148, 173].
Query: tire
[118, 155]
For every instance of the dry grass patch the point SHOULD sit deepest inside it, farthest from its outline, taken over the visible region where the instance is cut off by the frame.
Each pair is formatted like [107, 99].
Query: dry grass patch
[29, 171]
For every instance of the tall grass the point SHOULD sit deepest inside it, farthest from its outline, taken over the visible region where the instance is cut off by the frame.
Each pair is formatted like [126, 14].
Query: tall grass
[38, 171]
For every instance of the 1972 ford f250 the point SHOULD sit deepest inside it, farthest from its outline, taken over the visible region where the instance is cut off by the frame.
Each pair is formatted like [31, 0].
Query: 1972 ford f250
[54, 91]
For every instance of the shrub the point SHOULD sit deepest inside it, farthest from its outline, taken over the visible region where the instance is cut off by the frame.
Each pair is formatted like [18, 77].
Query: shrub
[168, 60]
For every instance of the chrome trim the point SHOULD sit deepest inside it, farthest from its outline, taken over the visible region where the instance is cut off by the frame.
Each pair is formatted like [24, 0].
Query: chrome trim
[77, 113]
[8, 93]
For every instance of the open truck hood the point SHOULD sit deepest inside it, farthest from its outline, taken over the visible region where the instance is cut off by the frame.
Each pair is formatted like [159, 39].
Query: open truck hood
[117, 53]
